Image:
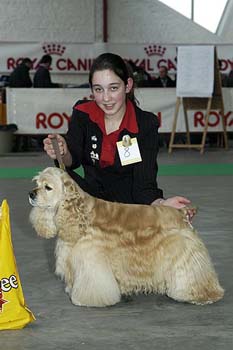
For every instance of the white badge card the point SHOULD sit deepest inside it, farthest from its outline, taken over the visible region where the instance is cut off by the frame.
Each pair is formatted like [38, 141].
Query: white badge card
[130, 154]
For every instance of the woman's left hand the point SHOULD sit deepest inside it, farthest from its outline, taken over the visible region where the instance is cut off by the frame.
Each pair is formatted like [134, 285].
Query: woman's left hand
[177, 202]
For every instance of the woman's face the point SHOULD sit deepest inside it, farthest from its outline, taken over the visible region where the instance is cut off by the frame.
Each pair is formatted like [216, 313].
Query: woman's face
[110, 92]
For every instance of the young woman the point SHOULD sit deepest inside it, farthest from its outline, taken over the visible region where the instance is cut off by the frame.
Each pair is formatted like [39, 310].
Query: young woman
[116, 171]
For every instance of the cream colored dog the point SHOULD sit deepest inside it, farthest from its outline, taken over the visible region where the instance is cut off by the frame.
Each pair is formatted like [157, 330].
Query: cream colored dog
[105, 249]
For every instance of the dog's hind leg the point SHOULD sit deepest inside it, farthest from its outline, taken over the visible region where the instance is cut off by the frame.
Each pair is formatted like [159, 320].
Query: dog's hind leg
[191, 277]
[93, 281]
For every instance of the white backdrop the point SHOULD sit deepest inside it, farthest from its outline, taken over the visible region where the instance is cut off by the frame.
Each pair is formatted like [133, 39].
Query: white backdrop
[42, 111]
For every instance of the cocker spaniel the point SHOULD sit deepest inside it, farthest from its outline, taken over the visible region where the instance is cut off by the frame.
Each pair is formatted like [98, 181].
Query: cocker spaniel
[105, 250]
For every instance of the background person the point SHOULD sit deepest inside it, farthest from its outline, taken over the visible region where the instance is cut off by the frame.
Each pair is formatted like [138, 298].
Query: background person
[140, 75]
[94, 129]
[229, 79]
[42, 77]
[20, 77]
[164, 80]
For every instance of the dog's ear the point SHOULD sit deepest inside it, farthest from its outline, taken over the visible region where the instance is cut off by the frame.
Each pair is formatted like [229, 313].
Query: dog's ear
[70, 186]
[71, 218]
[42, 221]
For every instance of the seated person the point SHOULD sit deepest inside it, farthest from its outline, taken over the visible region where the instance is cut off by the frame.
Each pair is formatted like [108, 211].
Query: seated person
[229, 79]
[163, 80]
[42, 78]
[141, 77]
[20, 77]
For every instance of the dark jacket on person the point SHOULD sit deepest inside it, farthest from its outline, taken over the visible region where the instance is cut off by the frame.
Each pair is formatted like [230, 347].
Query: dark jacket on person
[20, 77]
[132, 183]
[42, 79]
[168, 82]
[229, 79]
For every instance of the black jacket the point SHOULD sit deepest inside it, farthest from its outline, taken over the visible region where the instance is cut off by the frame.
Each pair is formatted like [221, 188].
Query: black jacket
[133, 183]
[169, 82]
[20, 77]
[42, 79]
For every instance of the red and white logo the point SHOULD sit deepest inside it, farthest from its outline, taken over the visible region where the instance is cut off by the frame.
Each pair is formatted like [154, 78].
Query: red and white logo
[53, 49]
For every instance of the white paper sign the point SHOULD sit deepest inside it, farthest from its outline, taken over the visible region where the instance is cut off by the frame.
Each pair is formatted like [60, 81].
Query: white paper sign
[130, 154]
[195, 71]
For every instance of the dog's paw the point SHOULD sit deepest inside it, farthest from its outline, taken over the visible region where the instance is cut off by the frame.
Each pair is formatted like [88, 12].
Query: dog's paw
[68, 290]
[77, 302]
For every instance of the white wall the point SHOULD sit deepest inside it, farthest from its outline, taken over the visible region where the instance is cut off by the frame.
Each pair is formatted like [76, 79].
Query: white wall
[152, 21]
[47, 20]
[225, 28]
[80, 21]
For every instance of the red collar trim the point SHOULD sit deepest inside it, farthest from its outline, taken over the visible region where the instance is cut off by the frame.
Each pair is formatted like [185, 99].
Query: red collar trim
[129, 121]
[96, 115]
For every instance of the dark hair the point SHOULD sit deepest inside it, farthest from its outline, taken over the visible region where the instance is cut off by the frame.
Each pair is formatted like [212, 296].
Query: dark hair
[46, 59]
[27, 60]
[117, 65]
[164, 67]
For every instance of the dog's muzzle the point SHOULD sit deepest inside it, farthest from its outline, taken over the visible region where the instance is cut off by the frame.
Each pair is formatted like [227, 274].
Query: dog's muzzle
[32, 198]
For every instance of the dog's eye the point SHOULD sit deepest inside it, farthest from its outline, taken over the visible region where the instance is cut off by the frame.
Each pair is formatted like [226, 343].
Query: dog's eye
[48, 188]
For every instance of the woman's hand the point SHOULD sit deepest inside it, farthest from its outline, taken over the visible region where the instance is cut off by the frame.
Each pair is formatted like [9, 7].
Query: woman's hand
[64, 151]
[48, 146]
[177, 202]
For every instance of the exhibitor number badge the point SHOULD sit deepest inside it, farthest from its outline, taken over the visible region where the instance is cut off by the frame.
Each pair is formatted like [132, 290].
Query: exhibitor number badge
[128, 150]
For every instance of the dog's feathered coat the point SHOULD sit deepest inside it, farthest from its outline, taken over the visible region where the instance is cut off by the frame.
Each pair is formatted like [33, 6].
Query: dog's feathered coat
[107, 249]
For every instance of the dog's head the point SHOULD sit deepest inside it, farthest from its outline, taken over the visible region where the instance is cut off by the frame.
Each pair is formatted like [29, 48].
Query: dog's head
[49, 189]
[56, 200]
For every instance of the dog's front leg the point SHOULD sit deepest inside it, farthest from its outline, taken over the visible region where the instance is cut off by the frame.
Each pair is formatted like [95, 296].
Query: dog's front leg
[63, 268]
[93, 283]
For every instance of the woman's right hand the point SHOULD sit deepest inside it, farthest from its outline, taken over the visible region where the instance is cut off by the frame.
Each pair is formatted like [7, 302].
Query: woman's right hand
[48, 146]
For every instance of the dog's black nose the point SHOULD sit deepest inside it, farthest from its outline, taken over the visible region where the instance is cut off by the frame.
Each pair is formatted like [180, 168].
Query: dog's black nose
[32, 194]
